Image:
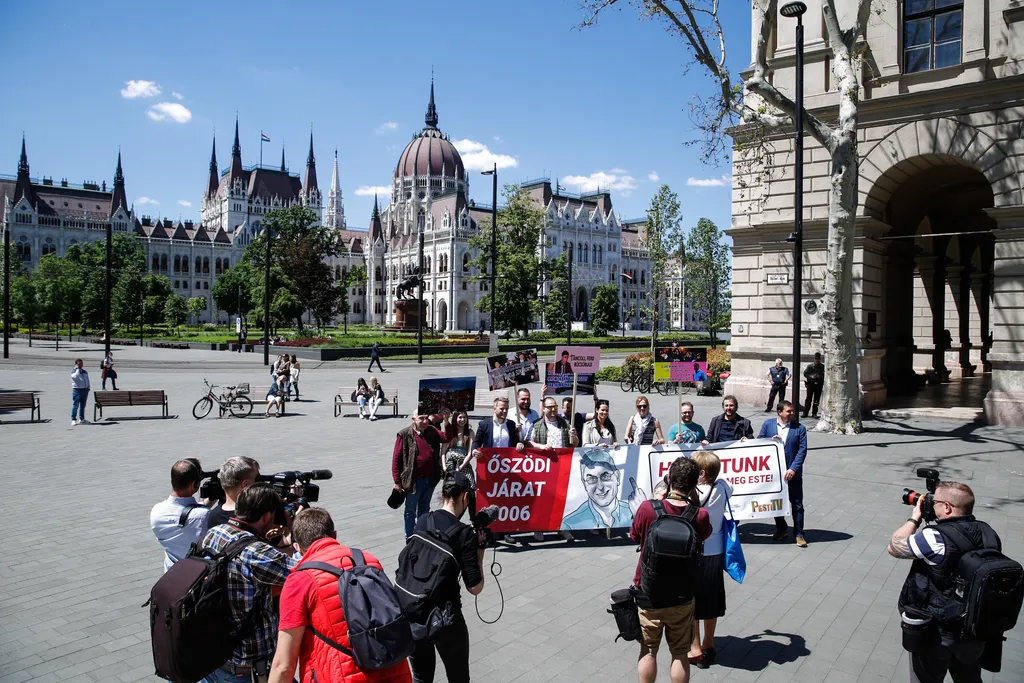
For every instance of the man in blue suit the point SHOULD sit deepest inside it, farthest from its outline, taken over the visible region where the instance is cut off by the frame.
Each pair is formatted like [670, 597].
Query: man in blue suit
[497, 431]
[793, 435]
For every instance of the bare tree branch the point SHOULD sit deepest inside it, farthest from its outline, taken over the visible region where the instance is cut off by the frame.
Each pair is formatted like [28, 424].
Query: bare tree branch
[861, 25]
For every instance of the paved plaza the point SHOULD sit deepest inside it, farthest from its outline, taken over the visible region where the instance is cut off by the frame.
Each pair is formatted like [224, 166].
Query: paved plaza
[79, 558]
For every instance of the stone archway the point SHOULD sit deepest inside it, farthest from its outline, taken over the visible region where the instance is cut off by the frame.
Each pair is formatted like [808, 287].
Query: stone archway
[463, 315]
[441, 324]
[582, 305]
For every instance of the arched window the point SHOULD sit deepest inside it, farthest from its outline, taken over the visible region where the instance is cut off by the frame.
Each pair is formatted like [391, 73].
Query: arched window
[206, 265]
[593, 250]
[23, 249]
[427, 264]
[600, 255]
[465, 263]
[226, 264]
[216, 266]
[156, 262]
[611, 273]
[579, 253]
[184, 264]
[337, 272]
[344, 272]
[177, 264]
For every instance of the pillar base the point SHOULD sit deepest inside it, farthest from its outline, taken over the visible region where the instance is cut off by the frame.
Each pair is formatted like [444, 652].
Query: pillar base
[1004, 404]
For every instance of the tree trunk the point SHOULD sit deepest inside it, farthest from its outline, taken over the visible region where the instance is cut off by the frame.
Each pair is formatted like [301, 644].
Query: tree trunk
[838, 335]
[30, 336]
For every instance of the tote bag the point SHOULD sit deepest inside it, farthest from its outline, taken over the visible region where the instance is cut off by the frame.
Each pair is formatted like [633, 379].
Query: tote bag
[735, 564]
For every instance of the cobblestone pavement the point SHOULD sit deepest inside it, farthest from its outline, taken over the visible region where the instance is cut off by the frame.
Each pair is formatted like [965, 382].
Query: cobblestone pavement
[79, 558]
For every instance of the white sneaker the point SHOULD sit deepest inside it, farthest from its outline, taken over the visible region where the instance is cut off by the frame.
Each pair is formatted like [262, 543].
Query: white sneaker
[73, 423]
[373, 418]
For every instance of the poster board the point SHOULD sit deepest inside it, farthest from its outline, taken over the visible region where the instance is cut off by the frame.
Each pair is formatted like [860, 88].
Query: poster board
[578, 359]
[561, 383]
[601, 488]
[454, 393]
[677, 363]
[509, 369]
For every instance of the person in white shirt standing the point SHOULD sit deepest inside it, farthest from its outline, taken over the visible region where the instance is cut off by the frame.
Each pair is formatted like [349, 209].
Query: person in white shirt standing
[79, 392]
[180, 521]
[525, 416]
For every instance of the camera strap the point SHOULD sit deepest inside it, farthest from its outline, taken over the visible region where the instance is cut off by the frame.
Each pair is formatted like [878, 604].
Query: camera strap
[185, 512]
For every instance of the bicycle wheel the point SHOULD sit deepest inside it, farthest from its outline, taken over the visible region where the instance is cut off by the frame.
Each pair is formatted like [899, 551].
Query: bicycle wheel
[627, 383]
[643, 383]
[684, 387]
[202, 408]
[240, 406]
[663, 388]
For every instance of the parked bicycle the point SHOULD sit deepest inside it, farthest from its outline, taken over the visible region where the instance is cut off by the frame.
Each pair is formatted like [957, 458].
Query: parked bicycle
[637, 379]
[673, 388]
[235, 403]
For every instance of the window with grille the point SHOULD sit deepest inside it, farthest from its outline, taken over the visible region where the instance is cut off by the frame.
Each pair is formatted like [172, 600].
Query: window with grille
[932, 34]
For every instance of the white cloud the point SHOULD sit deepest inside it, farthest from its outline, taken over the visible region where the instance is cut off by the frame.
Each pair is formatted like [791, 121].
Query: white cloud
[386, 127]
[618, 171]
[133, 89]
[184, 202]
[497, 138]
[178, 96]
[709, 182]
[169, 111]
[370, 190]
[653, 176]
[392, 148]
[476, 156]
[147, 200]
[616, 180]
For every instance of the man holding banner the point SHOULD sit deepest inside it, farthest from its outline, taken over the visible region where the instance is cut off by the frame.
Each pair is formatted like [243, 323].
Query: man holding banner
[787, 430]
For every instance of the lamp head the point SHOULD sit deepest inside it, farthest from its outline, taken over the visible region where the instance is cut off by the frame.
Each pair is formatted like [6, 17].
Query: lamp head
[793, 9]
[491, 172]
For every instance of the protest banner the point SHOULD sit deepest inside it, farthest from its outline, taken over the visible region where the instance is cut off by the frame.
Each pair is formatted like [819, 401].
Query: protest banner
[454, 393]
[578, 359]
[601, 488]
[561, 383]
[675, 363]
[509, 369]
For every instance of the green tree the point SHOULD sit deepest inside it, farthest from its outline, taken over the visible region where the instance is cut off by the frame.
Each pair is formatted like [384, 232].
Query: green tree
[663, 241]
[327, 304]
[196, 305]
[127, 296]
[604, 309]
[60, 287]
[25, 302]
[556, 308]
[707, 275]
[520, 271]
[91, 259]
[232, 292]
[175, 311]
[157, 289]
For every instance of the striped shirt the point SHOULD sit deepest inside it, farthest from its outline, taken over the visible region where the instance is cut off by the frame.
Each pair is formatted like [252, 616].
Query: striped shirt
[927, 545]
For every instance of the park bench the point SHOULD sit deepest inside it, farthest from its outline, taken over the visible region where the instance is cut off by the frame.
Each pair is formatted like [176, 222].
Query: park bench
[259, 395]
[344, 399]
[22, 400]
[170, 345]
[123, 399]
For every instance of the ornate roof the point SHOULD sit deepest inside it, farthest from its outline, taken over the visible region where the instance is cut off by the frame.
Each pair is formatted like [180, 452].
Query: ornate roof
[430, 152]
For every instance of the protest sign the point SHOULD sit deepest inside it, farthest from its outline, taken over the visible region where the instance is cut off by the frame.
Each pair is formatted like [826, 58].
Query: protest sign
[677, 363]
[454, 393]
[509, 369]
[579, 359]
[601, 488]
[561, 383]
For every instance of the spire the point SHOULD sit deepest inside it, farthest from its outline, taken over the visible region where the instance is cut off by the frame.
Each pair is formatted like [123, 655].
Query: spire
[431, 118]
[214, 181]
[118, 198]
[375, 227]
[236, 157]
[283, 169]
[335, 215]
[23, 161]
[309, 185]
[23, 188]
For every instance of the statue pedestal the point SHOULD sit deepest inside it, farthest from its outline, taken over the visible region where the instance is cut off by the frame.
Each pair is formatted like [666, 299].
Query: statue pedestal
[407, 314]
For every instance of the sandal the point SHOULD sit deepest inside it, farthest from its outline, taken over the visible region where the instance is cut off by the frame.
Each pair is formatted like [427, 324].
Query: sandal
[699, 661]
[709, 656]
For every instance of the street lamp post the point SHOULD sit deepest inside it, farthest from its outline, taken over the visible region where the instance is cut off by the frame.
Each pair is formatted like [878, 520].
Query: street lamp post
[790, 10]
[106, 292]
[266, 299]
[492, 340]
[7, 292]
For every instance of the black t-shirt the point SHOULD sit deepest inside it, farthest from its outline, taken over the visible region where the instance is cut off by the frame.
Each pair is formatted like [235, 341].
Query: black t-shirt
[462, 539]
[218, 515]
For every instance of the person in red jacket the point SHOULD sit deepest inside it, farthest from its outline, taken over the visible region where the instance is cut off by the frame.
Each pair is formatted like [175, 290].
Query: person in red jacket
[310, 602]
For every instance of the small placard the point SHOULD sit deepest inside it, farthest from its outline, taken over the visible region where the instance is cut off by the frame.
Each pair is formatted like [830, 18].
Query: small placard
[778, 278]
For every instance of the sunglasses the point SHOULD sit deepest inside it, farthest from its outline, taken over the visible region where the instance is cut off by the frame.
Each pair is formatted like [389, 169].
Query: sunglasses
[642, 405]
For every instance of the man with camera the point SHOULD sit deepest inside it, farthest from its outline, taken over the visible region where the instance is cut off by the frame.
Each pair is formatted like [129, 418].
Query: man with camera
[235, 475]
[252, 575]
[180, 521]
[927, 599]
[435, 610]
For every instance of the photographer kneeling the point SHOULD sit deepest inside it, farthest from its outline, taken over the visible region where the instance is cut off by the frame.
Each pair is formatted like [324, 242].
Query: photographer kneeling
[440, 548]
[926, 600]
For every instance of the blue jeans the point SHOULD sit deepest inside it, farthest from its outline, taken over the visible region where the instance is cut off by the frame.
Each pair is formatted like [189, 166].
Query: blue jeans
[79, 397]
[225, 676]
[418, 503]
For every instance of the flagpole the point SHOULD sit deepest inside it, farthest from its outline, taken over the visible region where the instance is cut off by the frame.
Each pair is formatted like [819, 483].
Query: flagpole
[261, 146]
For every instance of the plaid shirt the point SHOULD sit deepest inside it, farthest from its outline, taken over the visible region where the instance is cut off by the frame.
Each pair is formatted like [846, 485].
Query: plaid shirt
[251, 577]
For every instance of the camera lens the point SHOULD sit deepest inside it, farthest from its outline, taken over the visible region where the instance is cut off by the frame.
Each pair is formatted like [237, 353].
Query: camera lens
[910, 497]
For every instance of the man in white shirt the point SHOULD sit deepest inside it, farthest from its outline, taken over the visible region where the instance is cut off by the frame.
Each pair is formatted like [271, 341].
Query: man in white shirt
[525, 415]
[180, 521]
[497, 431]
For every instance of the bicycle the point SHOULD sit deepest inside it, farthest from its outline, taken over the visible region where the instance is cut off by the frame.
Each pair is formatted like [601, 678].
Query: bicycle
[237, 404]
[673, 388]
[637, 379]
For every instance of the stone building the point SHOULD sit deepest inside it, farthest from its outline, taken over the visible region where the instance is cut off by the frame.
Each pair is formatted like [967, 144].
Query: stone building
[939, 247]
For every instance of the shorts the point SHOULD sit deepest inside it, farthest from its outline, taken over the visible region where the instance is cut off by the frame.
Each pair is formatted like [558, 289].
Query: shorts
[676, 622]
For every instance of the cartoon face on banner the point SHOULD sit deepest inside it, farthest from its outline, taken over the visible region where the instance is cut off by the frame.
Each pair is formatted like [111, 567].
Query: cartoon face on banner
[605, 489]
[675, 363]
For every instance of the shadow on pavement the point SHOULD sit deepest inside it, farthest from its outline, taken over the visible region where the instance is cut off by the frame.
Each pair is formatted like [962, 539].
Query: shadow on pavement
[756, 533]
[756, 652]
[22, 422]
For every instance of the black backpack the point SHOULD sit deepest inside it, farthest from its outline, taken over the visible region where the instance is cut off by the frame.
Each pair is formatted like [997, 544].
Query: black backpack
[425, 566]
[672, 552]
[989, 587]
[377, 630]
[190, 615]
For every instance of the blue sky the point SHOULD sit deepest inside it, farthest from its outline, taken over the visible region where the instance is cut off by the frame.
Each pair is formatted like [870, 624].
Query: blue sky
[606, 104]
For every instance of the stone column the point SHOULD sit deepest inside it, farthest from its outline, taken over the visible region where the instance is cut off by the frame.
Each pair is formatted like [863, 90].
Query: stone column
[958, 318]
[924, 314]
[1004, 404]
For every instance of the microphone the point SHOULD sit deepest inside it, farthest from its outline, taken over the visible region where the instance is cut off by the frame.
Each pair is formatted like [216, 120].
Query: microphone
[320, 474]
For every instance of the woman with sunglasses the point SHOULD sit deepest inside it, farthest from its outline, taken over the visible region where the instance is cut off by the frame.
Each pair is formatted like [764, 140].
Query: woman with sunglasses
[600, 431]
[643, 429]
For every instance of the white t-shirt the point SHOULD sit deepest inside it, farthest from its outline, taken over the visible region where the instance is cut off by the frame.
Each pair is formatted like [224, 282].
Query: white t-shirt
[715, 505]
[554, 435]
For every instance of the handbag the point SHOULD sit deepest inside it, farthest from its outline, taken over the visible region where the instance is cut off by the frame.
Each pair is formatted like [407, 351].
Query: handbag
[735, 563]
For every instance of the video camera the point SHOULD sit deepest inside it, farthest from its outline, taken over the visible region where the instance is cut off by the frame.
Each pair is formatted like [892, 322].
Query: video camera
[910, 496]
[294, 486]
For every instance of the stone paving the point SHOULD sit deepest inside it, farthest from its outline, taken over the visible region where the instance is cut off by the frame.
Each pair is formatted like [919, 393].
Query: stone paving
[79, 558]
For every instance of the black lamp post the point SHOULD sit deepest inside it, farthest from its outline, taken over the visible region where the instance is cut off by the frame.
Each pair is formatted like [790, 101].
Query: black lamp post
[106, 292]
[7, 292]
[266, 299]
[494, 252]
[790, 10]
[568, 326]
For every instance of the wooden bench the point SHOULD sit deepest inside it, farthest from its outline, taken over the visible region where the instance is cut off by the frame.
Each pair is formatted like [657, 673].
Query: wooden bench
[169, 345]
[22, 400]
[259, 395]
[344, 399]
[122, 399]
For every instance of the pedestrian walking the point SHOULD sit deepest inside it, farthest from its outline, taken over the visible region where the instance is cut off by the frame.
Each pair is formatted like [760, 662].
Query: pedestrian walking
[295, 367]
[241, 339]
[375, 357]
[779, 376]
[107, 371]
[79, 392]
[814, 380]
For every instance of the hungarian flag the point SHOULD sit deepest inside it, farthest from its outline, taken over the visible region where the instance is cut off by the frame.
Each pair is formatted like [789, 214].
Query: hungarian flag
[559, 187]
[626, 275]
[264, 138]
